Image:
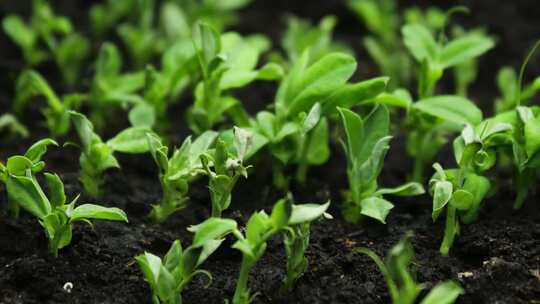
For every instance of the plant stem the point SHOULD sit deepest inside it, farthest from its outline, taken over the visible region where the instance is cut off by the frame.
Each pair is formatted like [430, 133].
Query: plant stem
[241, 294]
[449, 230]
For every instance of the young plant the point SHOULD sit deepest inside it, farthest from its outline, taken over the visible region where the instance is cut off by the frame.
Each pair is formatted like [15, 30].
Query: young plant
[69, 51]
[226, 62]
[507, 82]
[228, 167]
[262, 227]
[98, 156]
[382, 19]
[176, 172]
[31, 84]
[110, 88]
[366, 143]
[168, 277]
[297, 130]
[463, 190]
[33, 154]
[400, 279]
[53, 213]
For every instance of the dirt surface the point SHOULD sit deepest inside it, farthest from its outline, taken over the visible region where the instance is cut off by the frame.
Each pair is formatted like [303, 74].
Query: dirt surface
[496, 259]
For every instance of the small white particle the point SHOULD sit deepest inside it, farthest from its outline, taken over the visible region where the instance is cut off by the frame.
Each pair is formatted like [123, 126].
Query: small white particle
[68, 287]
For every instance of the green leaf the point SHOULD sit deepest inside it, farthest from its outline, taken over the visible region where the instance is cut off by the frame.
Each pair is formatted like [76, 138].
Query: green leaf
[462, 199]
[142, 115]
[450, 108]
[211, 229]
[408, 189]
[354, 94]
[320, 80]
[442, 193]
[17, 165]
[243, 140]
[208, 44]
[27, 193]
[444, 293]
[376, 208]
[18, 31]
[318, 150]
[281, 213]
[37, 150]
[307, 212]
[90, 211]
[85, 129]
[131, 140]
[464, 48]
[57, 196]
[376, 127]
[532, 136]
[312, 118]
[173, 257]
[354, 132]
[420, 42]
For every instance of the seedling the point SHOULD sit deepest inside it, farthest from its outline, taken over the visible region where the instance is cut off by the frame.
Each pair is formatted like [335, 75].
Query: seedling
[98, 156]
[176, 172]
[400, 279]
[69, 51]
[31, 84]
[227, 169]
[226, 62]
[366, 143]
[53, 214]
[168, 277]
[33, 155]
[262, 227]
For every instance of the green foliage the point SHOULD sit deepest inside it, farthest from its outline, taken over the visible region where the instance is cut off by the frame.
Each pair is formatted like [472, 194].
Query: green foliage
[31, 84]
[47, 35]
[98, 156]
[16, 166]
[13, 126]
[260, 228]
[507, 82]
[227, 168]
[400, 278]
[168, 277]
[55, 216]
[366, 143]
[226, 62]
[176, 171]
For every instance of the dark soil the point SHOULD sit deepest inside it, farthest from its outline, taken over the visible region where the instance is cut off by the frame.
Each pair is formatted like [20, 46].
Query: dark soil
[496, 259]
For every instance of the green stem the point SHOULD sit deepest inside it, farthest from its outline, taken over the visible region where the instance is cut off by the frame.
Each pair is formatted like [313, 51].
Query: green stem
[449, 230]
[302, 169]
[217, 209]
[418, 170]
[241, 294]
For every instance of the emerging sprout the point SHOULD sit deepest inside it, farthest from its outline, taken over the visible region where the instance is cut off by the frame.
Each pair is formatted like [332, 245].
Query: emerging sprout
[401, 280]
[366, 143]
[168, 277]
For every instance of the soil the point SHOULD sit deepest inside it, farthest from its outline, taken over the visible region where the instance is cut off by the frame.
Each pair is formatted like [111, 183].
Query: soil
[496, 259]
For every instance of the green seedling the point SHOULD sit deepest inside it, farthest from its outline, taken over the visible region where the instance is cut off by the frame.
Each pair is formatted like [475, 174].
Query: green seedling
[31, 84]
[227, 169]
[34, 155]
[104, 16]
[507, 82]
[400, 278]
[98, 156]
[13, 126]
[226, 62]
[112, 89]
[366, 143]
[383, 45]
[176, 171]
[168, 277]
[56, 217]
[297, 129]
[65, 46]
[262, 227]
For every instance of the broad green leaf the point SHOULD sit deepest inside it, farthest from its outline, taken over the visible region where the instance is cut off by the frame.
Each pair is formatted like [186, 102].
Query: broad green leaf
[450, 108]
[37, 150]
[207, 43]
[462, 199]
[307, 212]
[57, 197]
[353, 94]
[320, 80]
[90, 211]
[318, 150]
[376, 127]
[109, 61]
[27, 193]
[354, 132]
[130, 140]
[532, 136]
[408, 189]
[312, 118]
[243, 140]
[420, 42]
[142, 115]
[464, 48]
[150, 266]
[257, 226]
[442, 193]
[376, 208]
[85, 129]
[444, 293]
[201, 144]
[211, 229]
[17, 30]
[17, 165]
[173, 257]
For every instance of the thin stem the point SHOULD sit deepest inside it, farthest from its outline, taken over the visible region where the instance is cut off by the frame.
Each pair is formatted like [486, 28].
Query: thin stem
[241, 294]
[522, 71]
[449, 230]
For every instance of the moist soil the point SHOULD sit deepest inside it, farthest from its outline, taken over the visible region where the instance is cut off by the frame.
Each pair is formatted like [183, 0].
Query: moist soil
[496, 259]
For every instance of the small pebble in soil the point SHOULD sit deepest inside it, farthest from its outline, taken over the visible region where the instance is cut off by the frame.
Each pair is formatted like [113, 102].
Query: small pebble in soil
[68, 286]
